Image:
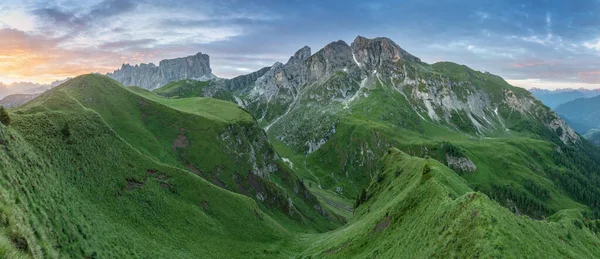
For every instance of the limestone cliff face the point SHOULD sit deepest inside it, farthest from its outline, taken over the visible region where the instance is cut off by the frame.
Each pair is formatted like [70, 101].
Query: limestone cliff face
[244, 81]
[379, 54]
[150, 76]
[314, 89]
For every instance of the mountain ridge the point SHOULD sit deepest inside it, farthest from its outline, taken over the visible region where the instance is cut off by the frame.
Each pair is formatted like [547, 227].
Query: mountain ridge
[150, 76]
[333, 113]
[27, 87]
[555, 98]
[582, 113]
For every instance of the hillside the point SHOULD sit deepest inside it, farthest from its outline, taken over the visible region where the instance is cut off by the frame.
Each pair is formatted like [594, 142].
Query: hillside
[87, 202]
[419, 208]
[102, 172]
[193, 88]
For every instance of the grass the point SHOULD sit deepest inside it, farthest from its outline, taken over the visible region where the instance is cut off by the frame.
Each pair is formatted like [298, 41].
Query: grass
[415, 214]
[193, 88]
[115, 186]
[135, 175]
[73, 199]
[214, 109]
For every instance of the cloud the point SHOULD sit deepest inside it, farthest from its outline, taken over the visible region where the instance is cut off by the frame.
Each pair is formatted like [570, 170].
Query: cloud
[592, 45]
[110, 8]
[38, 58]
[16, 19]
[529, 64]
[124, 44]
[592, 77]
[78, 19]
[520, 40]
[482, 16]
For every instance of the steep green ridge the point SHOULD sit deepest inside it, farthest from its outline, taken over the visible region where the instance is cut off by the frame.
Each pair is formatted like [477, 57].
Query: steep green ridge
[86, 201]
[419, 208]
[212, 138]
[91, 194]
[91, 169]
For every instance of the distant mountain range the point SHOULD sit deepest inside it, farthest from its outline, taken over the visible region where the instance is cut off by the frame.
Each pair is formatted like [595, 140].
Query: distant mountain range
[583, 114]
[16, 94]
[15, 100]
[21, 88]
[554, 98]
[580, 108]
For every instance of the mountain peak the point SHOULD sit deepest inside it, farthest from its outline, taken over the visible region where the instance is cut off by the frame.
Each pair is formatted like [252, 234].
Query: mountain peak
[377, 51]
[303, 53]
[337, 43]
[336, 50]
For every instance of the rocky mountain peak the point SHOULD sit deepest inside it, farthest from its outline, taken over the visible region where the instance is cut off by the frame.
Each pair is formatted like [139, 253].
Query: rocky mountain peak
[333, 57]
[339, 47]
[302, 54]
[150, 76]
[378, 52]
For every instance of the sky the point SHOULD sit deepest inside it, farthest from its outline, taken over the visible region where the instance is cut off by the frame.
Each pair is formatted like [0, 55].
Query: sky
[542, 44]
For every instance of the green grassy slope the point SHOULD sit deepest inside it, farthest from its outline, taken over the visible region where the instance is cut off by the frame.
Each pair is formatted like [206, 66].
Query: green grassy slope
[193, 88]
[91, 169]
[419, 208]
[91, 194]
[111, 185]
[211, 138]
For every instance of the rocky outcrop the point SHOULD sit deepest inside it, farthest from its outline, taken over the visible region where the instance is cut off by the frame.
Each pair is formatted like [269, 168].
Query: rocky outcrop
[335, 56]
[461, 164]
[244, 83]
[566, 134]
[150, 76]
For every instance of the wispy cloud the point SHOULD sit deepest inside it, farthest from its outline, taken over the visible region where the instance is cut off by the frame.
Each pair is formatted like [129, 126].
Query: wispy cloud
[592, 45]
[555, 42]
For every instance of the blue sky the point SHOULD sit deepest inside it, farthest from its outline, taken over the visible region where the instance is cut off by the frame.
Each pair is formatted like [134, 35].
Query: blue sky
[546, 44]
